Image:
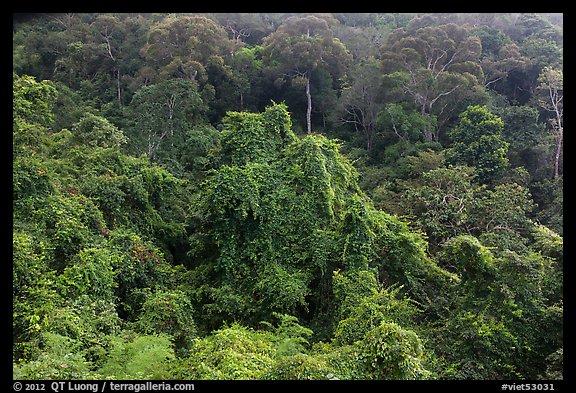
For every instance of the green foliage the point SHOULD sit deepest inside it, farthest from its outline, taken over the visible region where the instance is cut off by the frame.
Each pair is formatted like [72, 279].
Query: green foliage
[251, 137]
[91, 273]
[391, 352]
[60, 361]
[31, 183]
[506, 210]
[301, 367]
[404, 125]
[28, 261]
[280, 226]
[85, 320]
[291, 337]
[133, 356]
[477, 141]
[483, 346]
[448, 202]
[549, 243]
[32, 101]
[168, 312]
[364, 305]
[71, 222]
[161, 114]
[441, 200]
[92, 130]
[472, 261]
[234, 352]
[524, 132]
[299, 49]
[503, 313]
[162, 232]
[194, 158]
[555, 368]
[549, 195]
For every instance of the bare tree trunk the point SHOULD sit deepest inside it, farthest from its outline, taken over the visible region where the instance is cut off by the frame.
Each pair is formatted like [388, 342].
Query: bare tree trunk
[118, 88]
[428, 136]
[369, 138]
[552, 83]
[557, 156]
[309, 110]
[559, 141]
[558, 110]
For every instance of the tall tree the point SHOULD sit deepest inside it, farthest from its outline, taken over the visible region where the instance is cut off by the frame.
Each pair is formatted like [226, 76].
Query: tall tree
[109, 32]
[359, 103]
[434, 62]
[246, 65]
[162, 113]
[300, 46]
[497, 67]
[551, 97]
[181, 47]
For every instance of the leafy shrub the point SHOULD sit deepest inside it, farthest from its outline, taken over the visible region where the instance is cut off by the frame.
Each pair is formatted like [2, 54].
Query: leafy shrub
[168, 312]
[91, 272]
[234, 352]
[59, 360]
[364, 304]
[301, 366]
[391, 352]
[135, 356]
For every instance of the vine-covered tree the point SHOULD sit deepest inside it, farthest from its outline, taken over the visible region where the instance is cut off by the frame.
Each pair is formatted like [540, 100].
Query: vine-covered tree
[291, 212]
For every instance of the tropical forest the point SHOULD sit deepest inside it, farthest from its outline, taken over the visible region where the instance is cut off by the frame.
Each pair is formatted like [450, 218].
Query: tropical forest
[287, 196]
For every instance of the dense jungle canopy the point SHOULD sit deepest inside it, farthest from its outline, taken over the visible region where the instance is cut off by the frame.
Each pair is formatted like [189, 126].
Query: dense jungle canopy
[353, 196]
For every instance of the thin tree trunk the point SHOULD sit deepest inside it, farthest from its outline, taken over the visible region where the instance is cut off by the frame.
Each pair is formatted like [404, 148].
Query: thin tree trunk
[118, 88]
[309, 110]
[557, 157]
[559, 141]
[428, 137]
[369, 137]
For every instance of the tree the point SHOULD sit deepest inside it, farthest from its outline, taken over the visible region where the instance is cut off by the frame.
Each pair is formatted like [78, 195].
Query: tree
[300, 46]
[93, 130]
[162, 113]
[526, 135]
[32, 101]
[160, 230]
[359, 102]
[191, 48]
[279, 214]
[400, 124]
[247, 74]
[441, 200]
[503, 322]
[79, 204]
[477, 141]
[246, 28]
[434, 63]
[497, 67]
[110, 31]
[180, 46]
[538, 53]
[168, 312]
[551, 97]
